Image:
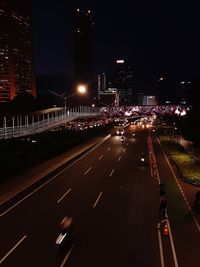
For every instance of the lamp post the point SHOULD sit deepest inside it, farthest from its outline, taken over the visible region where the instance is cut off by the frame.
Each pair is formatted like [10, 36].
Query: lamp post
[81, 89]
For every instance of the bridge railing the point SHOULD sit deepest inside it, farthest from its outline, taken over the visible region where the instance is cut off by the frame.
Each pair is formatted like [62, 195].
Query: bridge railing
[23, 125]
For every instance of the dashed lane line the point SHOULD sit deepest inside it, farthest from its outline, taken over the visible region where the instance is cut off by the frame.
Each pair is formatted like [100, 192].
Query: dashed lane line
[64, 196]
[100, 157]
[66, 257]
[37, 189]
[112, 172]
[88, 170]
[97, 200]
[119, 158]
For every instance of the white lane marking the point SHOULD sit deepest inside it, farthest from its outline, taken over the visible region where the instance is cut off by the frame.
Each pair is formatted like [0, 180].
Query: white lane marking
[97, 200]
[109, 149]
[119, 159]
[100, 157]
[112, 172]
[124, 150]
[160, 247]
[63, 196]
[172, 242]
[176, 179]
[9, 252]
[66, 257]
[170, 233]
[16, 204]
[127, 144]
[87, 170]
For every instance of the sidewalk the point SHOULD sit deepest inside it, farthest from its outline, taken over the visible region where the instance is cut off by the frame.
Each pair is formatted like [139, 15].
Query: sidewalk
[188, 146]
[10, 188]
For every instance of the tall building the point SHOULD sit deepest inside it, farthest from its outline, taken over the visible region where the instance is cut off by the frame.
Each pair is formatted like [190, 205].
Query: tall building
[16, 65]
[82, 33]
[149, 100]
[101, 83]
[123, 81]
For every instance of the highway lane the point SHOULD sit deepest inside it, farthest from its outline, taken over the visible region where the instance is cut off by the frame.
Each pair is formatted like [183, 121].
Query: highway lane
[185, 231]
[114, 201]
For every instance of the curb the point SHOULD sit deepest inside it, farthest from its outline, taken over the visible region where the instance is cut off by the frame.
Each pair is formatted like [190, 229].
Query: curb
[27, 189]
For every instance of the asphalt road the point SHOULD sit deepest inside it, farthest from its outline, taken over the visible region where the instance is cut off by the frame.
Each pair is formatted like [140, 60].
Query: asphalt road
[114, 201]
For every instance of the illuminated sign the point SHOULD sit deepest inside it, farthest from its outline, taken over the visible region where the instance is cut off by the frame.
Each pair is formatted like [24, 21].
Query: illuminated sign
[120, 61]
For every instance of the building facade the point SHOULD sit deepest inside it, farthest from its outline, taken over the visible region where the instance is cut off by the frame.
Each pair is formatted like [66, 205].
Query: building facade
[16, 64]
[123, 81]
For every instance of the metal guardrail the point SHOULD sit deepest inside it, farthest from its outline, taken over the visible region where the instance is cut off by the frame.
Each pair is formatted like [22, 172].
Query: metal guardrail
[18, 126]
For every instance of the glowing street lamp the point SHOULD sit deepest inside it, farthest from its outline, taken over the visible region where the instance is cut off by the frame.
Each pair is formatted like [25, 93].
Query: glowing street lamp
[81, 89]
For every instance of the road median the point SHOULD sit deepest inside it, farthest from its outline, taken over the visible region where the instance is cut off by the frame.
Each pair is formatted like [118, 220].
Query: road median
[186, 164]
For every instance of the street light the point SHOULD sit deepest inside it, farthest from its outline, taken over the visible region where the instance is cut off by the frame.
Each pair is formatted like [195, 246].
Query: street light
[81, 89]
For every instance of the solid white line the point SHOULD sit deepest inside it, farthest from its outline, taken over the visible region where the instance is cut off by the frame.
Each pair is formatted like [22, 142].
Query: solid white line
[66, 257]
[97, 200]
[172, 242]
[100, 157]
[170, 233]
[87, 170]
[112, 172]
[176, 179]
[63, 196]
[119, 158]
[18, 243]
[16, 204]
[161, 248]
[109, 149]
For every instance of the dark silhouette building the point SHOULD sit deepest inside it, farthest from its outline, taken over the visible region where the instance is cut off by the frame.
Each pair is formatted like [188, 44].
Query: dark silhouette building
[123, 81]
[16, 64]
[82, 35]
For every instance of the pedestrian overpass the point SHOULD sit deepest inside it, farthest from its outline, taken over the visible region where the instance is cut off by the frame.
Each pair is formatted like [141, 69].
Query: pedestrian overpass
[18, 125]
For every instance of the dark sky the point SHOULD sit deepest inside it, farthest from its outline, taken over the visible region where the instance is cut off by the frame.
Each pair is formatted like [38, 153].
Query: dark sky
[147, 33]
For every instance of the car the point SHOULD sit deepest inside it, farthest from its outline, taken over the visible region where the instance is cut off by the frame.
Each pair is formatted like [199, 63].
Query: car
[120, 132]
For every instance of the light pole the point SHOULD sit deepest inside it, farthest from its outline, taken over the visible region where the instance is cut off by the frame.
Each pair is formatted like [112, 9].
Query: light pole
[81, 89]
[61, 96]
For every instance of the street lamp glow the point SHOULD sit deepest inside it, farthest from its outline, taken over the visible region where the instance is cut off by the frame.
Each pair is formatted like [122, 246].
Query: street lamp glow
[82, 89]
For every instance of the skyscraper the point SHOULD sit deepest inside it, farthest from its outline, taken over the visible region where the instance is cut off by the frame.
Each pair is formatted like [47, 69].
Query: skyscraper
[123, 81]
[16, 65]
[82, 33]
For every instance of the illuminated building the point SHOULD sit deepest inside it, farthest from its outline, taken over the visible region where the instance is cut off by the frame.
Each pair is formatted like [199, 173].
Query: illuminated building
[123, 81]
[16, 66]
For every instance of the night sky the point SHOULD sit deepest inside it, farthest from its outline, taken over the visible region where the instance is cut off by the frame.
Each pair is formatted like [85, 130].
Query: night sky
[147, 34]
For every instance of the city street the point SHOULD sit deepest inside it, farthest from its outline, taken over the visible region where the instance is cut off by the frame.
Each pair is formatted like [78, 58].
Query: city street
[114, 201]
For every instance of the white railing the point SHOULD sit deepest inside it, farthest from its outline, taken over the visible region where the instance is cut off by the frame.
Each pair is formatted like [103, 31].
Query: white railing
[17, 126]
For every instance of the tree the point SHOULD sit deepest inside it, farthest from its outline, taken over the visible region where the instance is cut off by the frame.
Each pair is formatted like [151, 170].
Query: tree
[190, 126]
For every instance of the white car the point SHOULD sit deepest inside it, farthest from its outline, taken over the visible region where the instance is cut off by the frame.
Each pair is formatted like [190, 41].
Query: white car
[120, 131]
